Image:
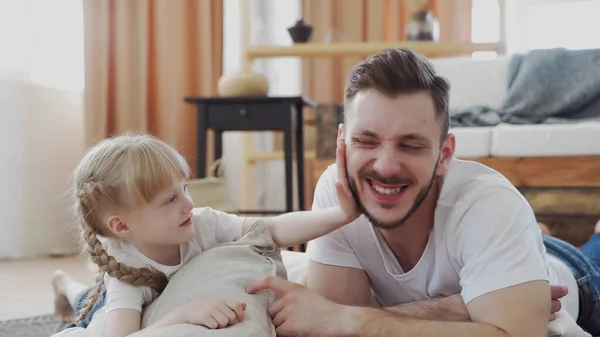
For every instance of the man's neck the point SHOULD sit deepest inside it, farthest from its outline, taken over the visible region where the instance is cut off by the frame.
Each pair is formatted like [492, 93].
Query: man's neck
[408, 241]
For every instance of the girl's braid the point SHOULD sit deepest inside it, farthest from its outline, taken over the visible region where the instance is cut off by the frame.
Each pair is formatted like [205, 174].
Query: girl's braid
[108, 264]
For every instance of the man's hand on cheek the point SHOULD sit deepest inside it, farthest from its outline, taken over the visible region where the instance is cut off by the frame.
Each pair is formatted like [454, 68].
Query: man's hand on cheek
[300, 311]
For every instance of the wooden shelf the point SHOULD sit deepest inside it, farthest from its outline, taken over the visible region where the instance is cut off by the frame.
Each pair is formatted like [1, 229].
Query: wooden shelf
[429, 49]
[252, 158]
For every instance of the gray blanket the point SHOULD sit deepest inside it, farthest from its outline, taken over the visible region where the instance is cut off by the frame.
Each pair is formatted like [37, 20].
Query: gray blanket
[544, 86]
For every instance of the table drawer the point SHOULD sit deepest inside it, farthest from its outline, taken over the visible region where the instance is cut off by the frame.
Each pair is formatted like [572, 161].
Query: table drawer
[249, 116]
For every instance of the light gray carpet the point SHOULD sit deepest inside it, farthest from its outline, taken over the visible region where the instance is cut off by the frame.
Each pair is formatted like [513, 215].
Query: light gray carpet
[37, 326]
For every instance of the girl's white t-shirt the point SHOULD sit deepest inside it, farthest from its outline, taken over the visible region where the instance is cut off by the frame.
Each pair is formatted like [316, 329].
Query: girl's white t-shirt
[212, 228]
[485, 238]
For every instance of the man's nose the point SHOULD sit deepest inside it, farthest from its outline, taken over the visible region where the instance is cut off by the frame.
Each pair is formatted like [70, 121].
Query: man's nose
[387, 163]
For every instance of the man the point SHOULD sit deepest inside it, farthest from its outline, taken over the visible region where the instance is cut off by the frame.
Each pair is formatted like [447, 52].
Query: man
[447, 247]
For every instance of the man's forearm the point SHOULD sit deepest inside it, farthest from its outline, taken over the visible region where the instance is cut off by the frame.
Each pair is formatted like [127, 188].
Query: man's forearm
[448, 309]
[371, 322]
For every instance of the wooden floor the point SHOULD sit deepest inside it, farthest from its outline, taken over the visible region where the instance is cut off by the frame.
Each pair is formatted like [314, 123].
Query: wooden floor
[25, 288]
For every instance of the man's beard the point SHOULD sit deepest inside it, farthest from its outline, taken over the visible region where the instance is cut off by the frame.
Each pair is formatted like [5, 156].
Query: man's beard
[421, 196]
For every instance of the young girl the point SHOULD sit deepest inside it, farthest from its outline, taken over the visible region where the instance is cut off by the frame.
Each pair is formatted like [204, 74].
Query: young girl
[140, 226]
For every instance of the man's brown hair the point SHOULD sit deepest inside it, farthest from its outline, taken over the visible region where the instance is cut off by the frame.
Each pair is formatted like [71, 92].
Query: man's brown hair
[400, 71]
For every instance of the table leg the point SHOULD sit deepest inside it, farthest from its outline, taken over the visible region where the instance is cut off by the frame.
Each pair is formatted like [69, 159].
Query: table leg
[201, 143]
[289, 182]
[300, 155]
[218, 137]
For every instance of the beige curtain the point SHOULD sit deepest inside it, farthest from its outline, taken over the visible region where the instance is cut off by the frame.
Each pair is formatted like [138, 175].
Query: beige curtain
[142, 58]
[366, 21]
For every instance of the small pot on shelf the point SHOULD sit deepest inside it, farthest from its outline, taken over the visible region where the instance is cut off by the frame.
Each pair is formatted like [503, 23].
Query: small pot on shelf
[423, 26]
[300, 32]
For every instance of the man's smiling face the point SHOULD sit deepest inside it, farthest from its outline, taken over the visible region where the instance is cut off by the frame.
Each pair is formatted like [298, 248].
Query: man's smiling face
[392, 153]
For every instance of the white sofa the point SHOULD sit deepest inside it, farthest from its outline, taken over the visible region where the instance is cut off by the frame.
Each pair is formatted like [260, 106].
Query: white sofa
[484, 82]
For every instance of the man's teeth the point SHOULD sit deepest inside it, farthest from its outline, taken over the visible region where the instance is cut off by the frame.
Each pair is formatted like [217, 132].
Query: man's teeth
[388, 191]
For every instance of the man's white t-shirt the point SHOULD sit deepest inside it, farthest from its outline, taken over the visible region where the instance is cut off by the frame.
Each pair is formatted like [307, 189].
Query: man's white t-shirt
[485, 237]
[212, 228]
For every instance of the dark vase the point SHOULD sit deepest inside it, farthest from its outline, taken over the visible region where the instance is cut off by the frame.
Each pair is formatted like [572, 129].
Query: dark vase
[300, 32]
[423, 27]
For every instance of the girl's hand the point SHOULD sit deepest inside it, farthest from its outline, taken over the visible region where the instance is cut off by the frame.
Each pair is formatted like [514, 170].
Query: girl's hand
[345, 197]
[214, 313]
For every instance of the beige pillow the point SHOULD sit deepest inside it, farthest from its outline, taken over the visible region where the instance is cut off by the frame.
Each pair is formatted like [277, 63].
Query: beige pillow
[226, 270]
[222, 271]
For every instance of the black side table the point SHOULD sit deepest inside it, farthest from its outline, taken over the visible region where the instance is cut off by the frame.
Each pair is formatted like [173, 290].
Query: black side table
[254, 114]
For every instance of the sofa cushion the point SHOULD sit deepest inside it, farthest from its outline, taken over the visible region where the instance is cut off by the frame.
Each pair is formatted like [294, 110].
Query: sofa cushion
[474, 82]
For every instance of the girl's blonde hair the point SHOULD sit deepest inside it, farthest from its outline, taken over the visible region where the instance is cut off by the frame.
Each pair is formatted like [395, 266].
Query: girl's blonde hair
[124, 172]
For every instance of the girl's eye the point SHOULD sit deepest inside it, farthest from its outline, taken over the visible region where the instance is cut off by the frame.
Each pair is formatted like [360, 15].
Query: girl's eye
[171, 199]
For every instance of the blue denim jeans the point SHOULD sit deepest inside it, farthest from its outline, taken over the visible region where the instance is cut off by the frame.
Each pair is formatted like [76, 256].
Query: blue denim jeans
[585, 265]
[80, 304]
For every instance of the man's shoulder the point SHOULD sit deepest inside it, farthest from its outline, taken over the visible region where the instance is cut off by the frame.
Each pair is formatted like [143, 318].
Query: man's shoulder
[469, 181]
[480, 202]
[329, 175]
[475, 191]
[325, 193]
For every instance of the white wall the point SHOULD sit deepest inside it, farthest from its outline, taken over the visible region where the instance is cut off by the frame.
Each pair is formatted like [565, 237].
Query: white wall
[41, 123]
[269, 22]
[12, 126]
[54, 146]
[41, 132]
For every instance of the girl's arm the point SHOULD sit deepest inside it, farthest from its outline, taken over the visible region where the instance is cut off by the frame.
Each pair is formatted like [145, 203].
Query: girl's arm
[299, 227]
[213, 313]
[123, 319]
[123, 322]
[127, 322]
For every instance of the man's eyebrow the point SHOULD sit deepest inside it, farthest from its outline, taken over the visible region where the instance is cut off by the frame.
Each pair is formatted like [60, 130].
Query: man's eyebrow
[366, 133]
[410, 136]
[414, 136]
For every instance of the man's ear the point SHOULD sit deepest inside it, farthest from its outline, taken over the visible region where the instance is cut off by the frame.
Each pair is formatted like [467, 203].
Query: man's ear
[118, 226]
[446, 154]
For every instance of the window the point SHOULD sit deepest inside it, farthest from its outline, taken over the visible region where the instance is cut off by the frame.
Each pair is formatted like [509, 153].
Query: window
[14, 37]
[537, 24]
[485, 25]
[42, 42]
[485, 21]
[572, 24]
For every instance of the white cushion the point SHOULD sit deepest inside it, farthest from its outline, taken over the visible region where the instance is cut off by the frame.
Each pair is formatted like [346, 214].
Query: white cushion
[472, 141]
[296, 264]
[577, 139]
[474, 82]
